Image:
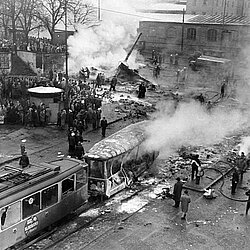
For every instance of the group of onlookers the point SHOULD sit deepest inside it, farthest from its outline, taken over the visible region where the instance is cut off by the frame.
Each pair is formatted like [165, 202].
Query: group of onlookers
[33, 44]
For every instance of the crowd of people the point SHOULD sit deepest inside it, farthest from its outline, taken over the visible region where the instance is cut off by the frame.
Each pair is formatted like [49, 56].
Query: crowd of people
[33, 44]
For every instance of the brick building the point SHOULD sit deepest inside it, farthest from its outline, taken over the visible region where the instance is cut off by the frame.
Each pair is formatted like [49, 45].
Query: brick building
[220, 36]
[219, 7]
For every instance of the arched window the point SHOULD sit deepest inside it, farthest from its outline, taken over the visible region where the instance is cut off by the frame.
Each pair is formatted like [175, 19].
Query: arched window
[191, 34]
[212, 35]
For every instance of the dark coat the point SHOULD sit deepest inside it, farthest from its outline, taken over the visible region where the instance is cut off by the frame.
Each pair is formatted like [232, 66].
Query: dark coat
[79, 151]
[177, 190]
[235, 178]
[104, 123]
[185, 200]
[24, 161]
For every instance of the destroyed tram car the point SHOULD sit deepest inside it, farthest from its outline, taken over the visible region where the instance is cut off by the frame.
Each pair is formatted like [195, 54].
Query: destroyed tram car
[119, 159]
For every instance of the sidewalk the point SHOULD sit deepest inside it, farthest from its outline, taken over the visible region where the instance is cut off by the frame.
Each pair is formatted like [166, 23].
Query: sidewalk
[39, 138]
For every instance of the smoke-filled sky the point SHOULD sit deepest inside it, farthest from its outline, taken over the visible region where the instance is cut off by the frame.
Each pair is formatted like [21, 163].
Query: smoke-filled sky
[191, 125]
[103, 46]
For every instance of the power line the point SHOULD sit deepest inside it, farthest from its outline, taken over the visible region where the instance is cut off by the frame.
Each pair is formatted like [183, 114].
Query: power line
[128, 14]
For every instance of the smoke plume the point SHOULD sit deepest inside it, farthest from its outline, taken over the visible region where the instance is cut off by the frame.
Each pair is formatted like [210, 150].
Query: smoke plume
[104, 45]
[190, 125]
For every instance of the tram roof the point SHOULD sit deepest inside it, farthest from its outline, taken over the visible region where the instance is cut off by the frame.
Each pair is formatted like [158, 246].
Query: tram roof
[118, 143]
[12, 177]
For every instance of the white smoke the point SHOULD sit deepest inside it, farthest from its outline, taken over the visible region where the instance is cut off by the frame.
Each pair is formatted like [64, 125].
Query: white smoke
[190, 125]
[245, 145]
[104, 45]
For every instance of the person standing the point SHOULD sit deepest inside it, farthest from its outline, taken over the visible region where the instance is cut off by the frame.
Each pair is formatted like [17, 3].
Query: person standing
[24, 160]
[248, 202]
[171, 59]
[98, 117]
[195, 164]
[222, 89]
[113, 83]
[177, 192]
[104, 125]
[235, 180]
[242, 165]
[22, 146]
[185, 200]
[199, 175]
[72, 143]
[79, 151]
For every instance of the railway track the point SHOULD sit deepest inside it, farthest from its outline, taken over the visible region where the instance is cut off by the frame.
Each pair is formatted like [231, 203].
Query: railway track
[38, 243]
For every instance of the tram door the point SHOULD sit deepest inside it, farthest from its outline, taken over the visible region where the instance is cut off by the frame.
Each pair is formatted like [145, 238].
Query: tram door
[115, 175]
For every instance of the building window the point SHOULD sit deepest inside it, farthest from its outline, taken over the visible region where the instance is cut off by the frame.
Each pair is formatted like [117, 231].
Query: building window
[212, 35]
[217, 2]
[204, 2]
[171, 32]
[195, 2]
[191, 34]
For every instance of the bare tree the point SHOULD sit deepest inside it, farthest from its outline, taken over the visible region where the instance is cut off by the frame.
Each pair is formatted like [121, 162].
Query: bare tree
[4, 18]
[51, 13]
[10, 11]
[81, 13]
[28, 17]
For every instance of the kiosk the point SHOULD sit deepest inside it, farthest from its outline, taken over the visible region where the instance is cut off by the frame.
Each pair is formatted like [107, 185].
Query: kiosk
[51, 97]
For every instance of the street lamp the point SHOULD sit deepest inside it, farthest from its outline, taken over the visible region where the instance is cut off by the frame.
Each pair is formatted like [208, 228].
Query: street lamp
[66, 57]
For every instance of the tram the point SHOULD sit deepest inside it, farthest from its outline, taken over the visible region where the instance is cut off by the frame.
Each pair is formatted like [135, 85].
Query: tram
[33, 198]
[117, 159]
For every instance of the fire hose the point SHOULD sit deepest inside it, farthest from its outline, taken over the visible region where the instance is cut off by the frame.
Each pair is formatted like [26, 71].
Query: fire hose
[223, 182]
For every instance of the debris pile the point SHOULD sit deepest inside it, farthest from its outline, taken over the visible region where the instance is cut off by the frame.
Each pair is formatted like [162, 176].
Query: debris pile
[179, 164]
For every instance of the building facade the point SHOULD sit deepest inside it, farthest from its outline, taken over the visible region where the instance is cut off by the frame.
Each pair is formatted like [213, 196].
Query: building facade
[203, 33]
[219, 7]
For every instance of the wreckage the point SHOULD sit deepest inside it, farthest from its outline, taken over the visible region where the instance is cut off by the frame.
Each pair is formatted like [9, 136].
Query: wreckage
[124, 73]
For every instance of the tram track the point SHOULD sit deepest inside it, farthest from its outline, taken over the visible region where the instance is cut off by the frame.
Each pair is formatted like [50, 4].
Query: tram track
[33, 243]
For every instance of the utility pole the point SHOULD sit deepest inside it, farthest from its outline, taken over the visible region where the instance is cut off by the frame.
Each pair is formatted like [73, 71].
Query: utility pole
[223, 23]
[182, 30]
[99, 10]
[66, 57]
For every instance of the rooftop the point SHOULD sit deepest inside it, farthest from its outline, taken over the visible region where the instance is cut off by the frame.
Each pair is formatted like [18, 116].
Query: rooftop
[218, 19]
[120, 142]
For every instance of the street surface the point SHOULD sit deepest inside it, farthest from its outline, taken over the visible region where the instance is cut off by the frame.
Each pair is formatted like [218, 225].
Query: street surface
[211, 224]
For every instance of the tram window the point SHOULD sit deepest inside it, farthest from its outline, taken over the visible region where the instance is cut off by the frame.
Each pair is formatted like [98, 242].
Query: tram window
[10, 215]
[97, 169]
[114, 165]
[31, 205]
[68, 185]
[49, 196]
[81, 178]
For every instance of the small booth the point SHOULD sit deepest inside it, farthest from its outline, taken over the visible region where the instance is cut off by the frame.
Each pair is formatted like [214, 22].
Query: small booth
[51, 97]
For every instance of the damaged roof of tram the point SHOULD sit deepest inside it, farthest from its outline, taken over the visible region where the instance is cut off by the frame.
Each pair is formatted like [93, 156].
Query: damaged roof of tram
[118, 143]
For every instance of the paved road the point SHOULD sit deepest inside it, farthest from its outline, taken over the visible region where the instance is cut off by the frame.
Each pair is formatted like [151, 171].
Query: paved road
[211, 224]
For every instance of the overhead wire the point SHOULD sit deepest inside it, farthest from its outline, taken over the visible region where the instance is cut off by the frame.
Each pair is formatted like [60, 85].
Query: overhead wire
[128, 14]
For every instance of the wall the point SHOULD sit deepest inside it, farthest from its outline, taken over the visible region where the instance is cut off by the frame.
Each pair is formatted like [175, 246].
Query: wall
[167, 37]
[5, 63]
[216, 7]
[29, 58]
